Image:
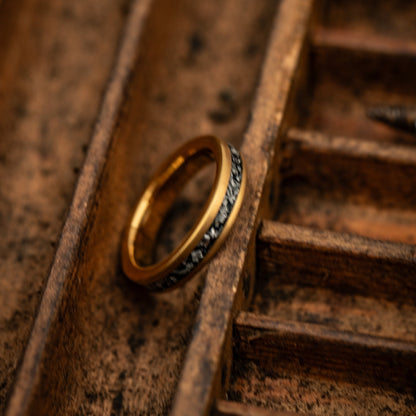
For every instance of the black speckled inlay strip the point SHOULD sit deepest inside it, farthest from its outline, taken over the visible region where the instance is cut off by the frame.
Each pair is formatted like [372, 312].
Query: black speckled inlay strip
[203, 247]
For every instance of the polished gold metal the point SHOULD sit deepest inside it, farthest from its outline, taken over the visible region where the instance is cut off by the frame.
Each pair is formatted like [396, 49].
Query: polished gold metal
[210, 230]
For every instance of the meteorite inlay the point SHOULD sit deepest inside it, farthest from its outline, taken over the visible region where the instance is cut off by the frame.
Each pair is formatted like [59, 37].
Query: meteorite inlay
[213, 232]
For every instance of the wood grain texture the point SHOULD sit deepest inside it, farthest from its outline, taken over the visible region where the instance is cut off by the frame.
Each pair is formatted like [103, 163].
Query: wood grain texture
[337, 310]
[101, 345]
[55, 60]
[368, 77]
[369, 43]
[315, 349]
[105, 325]
[364, 172]
[288, 390]
[223, 290]
[346, 78]
[390, 18]
[307, 207]
[338, 334]
[348, 185]
[66, 257]
[229, 408]
[344, 262]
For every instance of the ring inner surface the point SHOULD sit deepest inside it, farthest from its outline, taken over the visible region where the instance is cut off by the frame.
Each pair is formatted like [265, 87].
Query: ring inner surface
[157, 216]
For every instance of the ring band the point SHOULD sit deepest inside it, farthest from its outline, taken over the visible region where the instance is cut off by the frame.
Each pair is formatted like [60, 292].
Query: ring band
[207, 234]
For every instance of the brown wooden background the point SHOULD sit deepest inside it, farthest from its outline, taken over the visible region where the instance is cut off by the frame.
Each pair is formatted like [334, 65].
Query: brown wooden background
[309, 308]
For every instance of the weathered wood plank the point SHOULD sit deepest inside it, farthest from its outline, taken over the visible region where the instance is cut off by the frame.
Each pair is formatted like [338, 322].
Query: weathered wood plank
[369, 43]
[342, 311]
[325, 370]
[344, 262]
[223, 290]
[55, 62]
[392, 18]
[316, 141]
[229, 408]
[362, 171]
[286, 389]
[67, 254]
[316, 349]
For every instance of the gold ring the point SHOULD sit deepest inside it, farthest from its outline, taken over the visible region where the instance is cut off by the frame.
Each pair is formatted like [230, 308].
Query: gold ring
[208, 233]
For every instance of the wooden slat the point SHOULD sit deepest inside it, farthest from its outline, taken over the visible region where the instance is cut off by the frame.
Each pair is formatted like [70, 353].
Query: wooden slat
[229, 408]
[349, 39]
[76, 226]
[224, 284]
[344, 262]
[289, 389]
[316, 349]
[309, 209]
[389, 17]
[351, 71]
[364, 171]
[354, 148]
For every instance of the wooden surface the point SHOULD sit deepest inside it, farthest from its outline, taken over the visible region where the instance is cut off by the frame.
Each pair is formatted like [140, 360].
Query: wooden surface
[331, 325]
[55, 60]
[309, 307]
[284, 390]
[125, 329]
[224, 289]
[313, 348]
[229, 408]
[68, 252]
[345, 167]
[301, 255]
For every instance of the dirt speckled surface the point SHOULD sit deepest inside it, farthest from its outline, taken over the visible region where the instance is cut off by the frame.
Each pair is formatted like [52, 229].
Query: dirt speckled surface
[283, 390]
[346, 312]
[55, 61]
[200, 79]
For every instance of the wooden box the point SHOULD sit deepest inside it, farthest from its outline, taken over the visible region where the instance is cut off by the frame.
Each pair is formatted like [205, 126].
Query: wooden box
[309, 308]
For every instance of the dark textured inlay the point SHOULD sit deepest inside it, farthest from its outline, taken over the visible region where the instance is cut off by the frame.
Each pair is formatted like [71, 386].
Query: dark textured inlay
[209, 238]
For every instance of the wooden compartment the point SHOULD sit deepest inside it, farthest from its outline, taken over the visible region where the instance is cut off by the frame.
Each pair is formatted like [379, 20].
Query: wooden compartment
[55, 60]
[392, 18]
[363, 54]
[341, 170]
[332, 322]
[99, 342]
[331, 327]
[348, 185]
[309, 306]
[310, 369]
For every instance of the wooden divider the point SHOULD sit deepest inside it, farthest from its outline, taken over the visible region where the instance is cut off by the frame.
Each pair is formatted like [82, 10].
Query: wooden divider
[370, 43]
[315, 349]
[101, 344]
[229, 408]
[344, 262]
[359, 170]
[330, 326]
